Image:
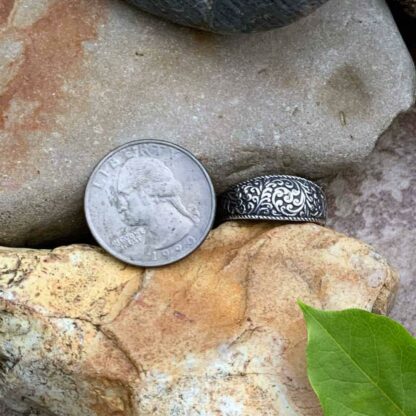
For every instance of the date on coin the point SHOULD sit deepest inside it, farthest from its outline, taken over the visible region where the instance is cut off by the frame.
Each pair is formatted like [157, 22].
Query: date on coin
[150, 203]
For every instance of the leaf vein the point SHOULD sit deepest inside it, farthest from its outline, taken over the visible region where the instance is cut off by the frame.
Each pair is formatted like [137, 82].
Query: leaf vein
[356, 364]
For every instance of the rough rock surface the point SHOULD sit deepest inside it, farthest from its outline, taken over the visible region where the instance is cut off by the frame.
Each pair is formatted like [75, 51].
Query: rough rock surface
[376, 203]
[217, 333]
[79, 77]
[5, 411]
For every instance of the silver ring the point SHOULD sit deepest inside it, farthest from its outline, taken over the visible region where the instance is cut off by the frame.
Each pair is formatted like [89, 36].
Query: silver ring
[274, 197]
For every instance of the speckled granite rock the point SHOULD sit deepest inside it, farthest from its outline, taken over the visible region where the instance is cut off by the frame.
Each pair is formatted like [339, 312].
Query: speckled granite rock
[79, 77]
[376, 203]
[5, 411]
[217, 333]
[230, 16]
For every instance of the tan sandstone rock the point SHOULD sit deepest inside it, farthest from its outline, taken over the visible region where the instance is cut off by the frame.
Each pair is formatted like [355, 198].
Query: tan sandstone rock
[218, 333]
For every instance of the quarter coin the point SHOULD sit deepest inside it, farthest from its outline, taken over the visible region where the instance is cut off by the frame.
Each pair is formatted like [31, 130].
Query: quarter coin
[150, 203]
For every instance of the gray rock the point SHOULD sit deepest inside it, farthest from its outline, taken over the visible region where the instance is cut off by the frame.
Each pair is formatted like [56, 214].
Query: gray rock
[230, 16]
[79, 78]
[377, 203]
[4, 411]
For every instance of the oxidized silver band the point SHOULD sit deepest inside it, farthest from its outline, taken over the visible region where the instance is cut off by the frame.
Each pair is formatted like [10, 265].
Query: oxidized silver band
[273, 197]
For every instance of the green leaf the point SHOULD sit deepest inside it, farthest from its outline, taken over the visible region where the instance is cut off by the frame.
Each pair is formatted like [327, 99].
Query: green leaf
[360, 364]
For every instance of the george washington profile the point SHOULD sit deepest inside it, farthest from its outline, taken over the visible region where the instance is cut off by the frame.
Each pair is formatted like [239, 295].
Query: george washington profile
[149, 196]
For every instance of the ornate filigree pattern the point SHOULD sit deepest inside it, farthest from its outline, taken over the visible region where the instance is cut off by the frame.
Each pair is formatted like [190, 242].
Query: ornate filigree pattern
[276, 197]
